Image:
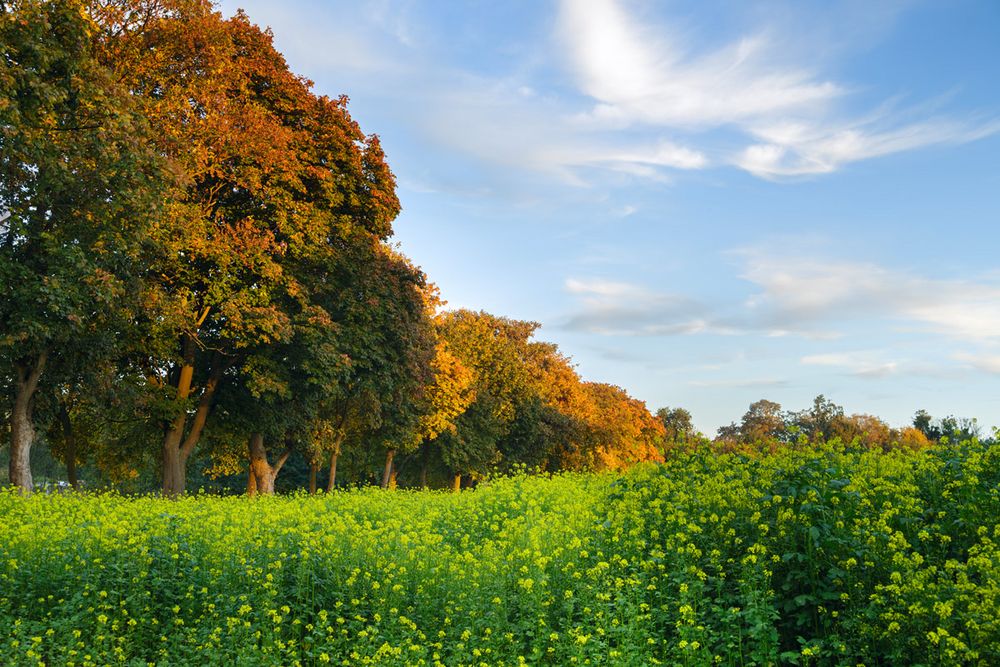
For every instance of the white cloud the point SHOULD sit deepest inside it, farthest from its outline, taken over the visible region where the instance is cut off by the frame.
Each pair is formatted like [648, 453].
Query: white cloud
[789, 114]
[604, 288]
[738, 383]
[798, 149]
[803, 295]
[804, 290]
[641, 74]
[614, 308]
[863, 364]
[655, 99]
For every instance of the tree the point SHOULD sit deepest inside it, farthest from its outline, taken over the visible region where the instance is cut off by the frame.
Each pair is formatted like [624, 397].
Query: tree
[625, 432]
[266, 173]
[762, 423]
[867, 430]
[495, 350]
[922, 421]
[449, 395]
[78, 188]
[953, 428]
[677, 425]
[553, 423]
[911, 438]
[818, 422]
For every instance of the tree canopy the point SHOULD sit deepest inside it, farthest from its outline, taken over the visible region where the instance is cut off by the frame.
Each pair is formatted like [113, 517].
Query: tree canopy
[199, 283]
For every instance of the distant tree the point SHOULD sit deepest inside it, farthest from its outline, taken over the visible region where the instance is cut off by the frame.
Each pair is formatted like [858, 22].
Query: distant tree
[955, 429]
[924, 423]
[677, 424]
[449, 395]
[867, 430]
[959, 429]
[624, 431]
[763, 422]
[818, 422]
[911, 438]
[553, 417]
[495, 350]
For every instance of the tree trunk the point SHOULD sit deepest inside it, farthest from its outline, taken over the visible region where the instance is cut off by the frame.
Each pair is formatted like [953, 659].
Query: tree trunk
[260, 469]
[176, 447]
[263, 473]
[173, 471]
[22, 425]
[425, 456]
[70, 439]
[457, 484]
[313, 469]
[388, 468]
[392, 479]
[331, 483]
[251, 482]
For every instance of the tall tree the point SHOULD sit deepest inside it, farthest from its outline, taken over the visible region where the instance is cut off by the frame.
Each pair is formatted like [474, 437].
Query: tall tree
[266, 170]
[78, 187]
[495, 350]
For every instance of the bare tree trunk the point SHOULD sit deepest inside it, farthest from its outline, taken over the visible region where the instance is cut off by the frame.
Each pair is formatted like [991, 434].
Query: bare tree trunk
[251, 482]
[260, 469]
[176, 447]
[331, 482]
[388, 468]
[173, 473]
[457, 484]
[313, 469]
[70, 439]
[262, 472]
[22, 425]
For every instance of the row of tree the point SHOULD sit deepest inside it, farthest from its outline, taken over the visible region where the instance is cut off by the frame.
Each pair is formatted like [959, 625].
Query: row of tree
[766, 424]
[195, 266]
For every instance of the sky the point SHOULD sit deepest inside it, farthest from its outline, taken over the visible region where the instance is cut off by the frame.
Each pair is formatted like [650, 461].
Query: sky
[705, 203]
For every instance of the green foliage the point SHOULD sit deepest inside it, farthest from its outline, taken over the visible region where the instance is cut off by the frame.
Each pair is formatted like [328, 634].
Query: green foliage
[821, 557]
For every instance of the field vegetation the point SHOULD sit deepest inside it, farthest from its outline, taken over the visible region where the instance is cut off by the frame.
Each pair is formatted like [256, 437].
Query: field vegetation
[812, 555]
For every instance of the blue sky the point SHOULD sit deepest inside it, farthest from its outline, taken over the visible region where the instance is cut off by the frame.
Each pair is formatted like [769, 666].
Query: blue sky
[707, 203]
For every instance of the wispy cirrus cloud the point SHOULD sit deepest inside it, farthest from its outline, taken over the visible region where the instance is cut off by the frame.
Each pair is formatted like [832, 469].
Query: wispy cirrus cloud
[984, 361]
[620, 308]
[641, 73]
[789, 114]
[789, 149]
[647, 98]
[739, 383]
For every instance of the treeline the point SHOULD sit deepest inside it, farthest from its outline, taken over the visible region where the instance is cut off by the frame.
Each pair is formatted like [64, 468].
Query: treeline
[766, 427]
[197, 278]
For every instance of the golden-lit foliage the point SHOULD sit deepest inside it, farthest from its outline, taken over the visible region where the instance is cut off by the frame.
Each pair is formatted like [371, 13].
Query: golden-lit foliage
[912, 438]
[625, 432]
[532, 407]
[450, 393]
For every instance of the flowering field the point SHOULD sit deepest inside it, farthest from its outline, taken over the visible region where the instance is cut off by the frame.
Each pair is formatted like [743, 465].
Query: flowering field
[827, 557]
